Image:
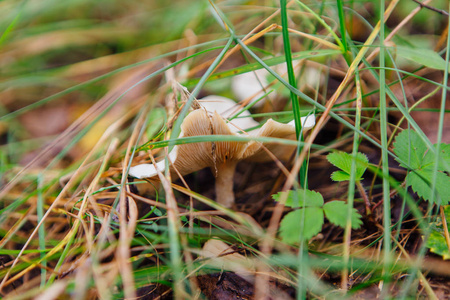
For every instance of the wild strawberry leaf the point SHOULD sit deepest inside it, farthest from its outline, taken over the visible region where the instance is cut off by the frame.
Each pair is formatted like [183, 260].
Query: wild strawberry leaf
[343, 161]
[336, 212]
[444, 158]
[300, 198]
[413, 153]
[410, 149]
[301, 224]
[340, 176]
[420, 181]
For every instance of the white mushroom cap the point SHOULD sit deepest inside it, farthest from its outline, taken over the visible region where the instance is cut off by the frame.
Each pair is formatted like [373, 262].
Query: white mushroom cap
[227, 108]
[308, 122]
[150, 170]
[251, 85]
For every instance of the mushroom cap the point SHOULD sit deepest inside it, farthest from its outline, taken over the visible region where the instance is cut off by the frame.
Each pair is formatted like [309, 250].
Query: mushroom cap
[150, 170]
[256, 153]
[227, 108]
[188, 158]
[195, 156]
[308, 121]
[251, 84]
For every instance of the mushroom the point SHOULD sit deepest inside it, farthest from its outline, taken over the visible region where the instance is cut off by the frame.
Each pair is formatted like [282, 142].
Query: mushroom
[251, 85]
[255, 84]
[221, 157]
[226, 108]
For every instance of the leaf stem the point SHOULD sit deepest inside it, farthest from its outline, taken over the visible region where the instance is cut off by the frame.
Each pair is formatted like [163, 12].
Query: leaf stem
[363, 193]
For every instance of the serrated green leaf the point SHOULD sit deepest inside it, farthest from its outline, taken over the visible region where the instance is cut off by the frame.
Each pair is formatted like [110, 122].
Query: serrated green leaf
[340, 176]
[343, 161]
[301, 198]
[444, 158]
[420, 183]
[409, 148]
[301, 224]
[422, 56]
[336, 213]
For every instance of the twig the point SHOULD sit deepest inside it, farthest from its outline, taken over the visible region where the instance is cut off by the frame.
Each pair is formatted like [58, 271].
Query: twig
[440, 11]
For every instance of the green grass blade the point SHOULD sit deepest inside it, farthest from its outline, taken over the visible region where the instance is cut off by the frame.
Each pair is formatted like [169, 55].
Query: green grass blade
[293, 83]
[290, 69]
[384, 155]
[41, 230]
[352, 181]
[340, 7]
[323, 23]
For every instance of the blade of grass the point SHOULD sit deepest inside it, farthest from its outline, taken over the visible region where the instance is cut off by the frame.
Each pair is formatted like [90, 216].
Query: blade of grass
[441, 117]
[302, 267]
[293, 83]
[323, 23]
[340, 7]
[223, 138]
[13, 23]
[70, 238]
[128, 208]
[384, 158]
[41, 232]
[351, 187]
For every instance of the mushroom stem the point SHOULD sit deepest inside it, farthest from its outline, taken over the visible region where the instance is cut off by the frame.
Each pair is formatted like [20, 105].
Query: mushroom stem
[224, 183]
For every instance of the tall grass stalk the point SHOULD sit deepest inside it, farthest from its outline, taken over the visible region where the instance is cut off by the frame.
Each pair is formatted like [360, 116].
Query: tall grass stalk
[41, 232]
[340, 7]
[442, 111]
[302, 266]
[352, 183]
[291, 75]
[384, 156]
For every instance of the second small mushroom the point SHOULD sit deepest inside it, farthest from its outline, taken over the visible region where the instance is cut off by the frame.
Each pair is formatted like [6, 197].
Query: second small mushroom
[221, 157]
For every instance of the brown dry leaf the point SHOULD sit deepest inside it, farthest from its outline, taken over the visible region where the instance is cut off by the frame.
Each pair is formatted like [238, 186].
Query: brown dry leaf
[223, 257]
